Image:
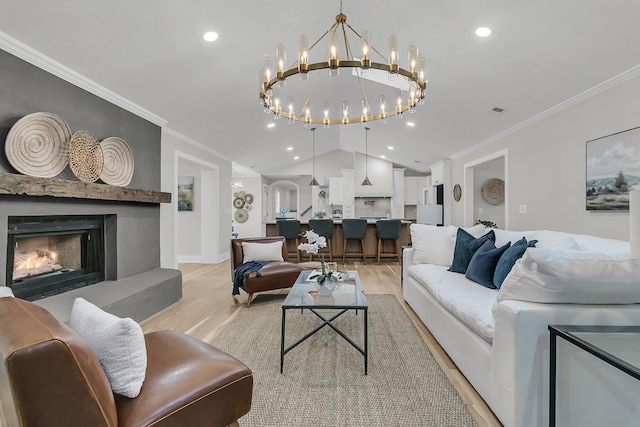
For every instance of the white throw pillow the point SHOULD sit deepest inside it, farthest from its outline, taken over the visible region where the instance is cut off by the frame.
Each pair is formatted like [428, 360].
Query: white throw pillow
[431, 244]
[5, 291]
[476, 231]
[118, 344]
[505, 236]
[548, 275]
[262, 251]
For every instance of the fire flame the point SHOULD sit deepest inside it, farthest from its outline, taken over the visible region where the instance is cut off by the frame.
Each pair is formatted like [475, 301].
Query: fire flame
[35, 261]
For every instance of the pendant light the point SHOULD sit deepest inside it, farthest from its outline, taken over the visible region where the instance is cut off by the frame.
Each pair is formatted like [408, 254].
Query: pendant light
[314, 181]
[366, 158]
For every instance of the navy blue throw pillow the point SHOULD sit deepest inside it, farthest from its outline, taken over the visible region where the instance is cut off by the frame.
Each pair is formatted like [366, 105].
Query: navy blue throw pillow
[483, 263]
[509, 258]
[466, 246]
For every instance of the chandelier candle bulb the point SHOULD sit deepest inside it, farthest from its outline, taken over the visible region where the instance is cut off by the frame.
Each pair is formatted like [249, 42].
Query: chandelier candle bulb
[281, 57]
[422, 71]
[413, 59]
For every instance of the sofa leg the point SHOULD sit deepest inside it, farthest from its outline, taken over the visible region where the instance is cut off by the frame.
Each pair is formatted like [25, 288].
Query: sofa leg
[249, 300]
[234, 424]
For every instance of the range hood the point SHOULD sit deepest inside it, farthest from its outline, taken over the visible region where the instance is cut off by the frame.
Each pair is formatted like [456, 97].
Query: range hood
[380, 173]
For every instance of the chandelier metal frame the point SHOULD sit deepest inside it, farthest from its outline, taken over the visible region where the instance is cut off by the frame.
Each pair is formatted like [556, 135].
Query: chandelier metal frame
[271, 80]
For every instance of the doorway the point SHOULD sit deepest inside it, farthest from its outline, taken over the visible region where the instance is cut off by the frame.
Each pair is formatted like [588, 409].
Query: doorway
[495, 165]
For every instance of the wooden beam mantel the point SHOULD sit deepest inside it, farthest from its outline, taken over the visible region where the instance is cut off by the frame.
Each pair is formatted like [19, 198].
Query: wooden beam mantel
[14, 184]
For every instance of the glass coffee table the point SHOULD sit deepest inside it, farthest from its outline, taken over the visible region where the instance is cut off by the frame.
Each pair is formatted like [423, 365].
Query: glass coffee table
[619, 346]
[307, 295]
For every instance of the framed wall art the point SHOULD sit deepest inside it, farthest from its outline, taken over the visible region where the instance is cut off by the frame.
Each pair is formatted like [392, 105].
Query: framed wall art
[185, 193]
[613, 167]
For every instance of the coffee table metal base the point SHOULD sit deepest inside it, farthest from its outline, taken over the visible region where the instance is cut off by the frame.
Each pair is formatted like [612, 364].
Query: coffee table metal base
[325, 322]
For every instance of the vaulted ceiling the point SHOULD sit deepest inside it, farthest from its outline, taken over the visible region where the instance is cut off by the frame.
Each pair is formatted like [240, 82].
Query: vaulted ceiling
[541, 54]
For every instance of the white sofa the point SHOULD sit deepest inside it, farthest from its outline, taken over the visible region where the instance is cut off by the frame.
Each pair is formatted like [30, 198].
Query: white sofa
[499, 339]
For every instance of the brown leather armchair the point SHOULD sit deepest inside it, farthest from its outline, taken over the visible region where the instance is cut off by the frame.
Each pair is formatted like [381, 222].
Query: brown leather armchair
[275, 275]
[50, 377]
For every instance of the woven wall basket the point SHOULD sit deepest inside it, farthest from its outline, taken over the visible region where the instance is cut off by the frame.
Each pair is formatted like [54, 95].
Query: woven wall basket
[118, 162]
[493, 191]
[85, 156]
[37, 145]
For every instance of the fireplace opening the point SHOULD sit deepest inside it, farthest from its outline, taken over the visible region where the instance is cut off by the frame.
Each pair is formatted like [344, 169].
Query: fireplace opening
[51, 255]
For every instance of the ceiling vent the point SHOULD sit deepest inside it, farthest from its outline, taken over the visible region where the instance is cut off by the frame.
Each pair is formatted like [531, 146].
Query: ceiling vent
[496, 111]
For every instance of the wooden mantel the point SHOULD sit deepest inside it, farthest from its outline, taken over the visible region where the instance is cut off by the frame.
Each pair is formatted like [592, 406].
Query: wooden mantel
[14, 184]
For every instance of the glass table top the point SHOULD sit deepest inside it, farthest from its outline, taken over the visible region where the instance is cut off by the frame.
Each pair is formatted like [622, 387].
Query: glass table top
[341, 294]
[618, 345]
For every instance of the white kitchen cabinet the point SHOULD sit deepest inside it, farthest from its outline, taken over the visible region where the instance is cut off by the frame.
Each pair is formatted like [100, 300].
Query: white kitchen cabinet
[397, 200]
[410, 190]
[422, 185]
[437, 173]
[335, 190]
[414, 189]
[348, 186]
[348, 193]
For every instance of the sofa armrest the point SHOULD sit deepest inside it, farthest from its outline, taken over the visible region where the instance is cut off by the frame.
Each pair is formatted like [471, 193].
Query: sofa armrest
[520, 351]
[407, 261]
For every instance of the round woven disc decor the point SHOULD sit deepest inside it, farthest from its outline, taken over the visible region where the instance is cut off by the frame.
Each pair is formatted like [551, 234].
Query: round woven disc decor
[85, 156]
[493, 191]
[118, 162]
[37, 145]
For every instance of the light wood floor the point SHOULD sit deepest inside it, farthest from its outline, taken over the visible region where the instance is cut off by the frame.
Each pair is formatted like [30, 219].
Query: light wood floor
[207, 304]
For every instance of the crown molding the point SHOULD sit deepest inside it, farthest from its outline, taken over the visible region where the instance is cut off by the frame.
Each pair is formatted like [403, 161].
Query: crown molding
[45, 63]
[188, 140]
[602, 87]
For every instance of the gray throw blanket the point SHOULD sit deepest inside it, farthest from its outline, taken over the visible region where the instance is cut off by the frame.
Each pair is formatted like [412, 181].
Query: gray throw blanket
[244, 270]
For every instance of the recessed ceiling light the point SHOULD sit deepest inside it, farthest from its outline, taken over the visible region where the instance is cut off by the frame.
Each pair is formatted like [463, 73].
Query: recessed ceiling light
[296, 157]
[483, 32]
[270, 125]
[389, 147]
[411, 124]
[289, 148]
[210, 36]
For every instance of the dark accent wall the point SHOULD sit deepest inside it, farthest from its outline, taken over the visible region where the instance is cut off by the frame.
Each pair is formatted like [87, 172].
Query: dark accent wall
[25, 89]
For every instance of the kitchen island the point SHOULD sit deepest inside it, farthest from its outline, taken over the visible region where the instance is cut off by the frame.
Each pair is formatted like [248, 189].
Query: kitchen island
[370, 240]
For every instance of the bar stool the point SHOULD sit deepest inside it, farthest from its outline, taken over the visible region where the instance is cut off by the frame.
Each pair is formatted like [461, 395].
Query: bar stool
[290, 230]
[388, 229]
[323, 227]
[353, 229]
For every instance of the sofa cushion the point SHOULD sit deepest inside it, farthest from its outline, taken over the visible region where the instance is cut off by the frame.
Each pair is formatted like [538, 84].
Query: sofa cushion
[118, 344]
[508, 259]
[483, 263]
[466, 246]
[465, 300]
[504, 236]
[262, 251]
[431, 244]
[550, 276]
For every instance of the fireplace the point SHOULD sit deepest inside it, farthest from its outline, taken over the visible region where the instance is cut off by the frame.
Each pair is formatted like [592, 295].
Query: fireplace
[54, 254]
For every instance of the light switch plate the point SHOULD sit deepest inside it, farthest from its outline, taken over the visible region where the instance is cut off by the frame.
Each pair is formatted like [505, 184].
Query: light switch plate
[522, 209]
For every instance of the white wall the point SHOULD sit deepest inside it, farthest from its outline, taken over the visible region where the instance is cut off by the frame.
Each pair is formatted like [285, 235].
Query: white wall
[188, 223]
[215, 173]
[253, 226]
[547, 163]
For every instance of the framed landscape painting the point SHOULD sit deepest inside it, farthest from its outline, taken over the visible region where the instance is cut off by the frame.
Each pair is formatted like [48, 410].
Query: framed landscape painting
[185, 193]
[613, 167]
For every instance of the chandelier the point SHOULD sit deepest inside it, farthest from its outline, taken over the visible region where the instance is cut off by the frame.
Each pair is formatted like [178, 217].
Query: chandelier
[398, 89]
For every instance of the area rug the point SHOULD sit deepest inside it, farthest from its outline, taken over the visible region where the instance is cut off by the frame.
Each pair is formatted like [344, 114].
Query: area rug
[323, 383]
